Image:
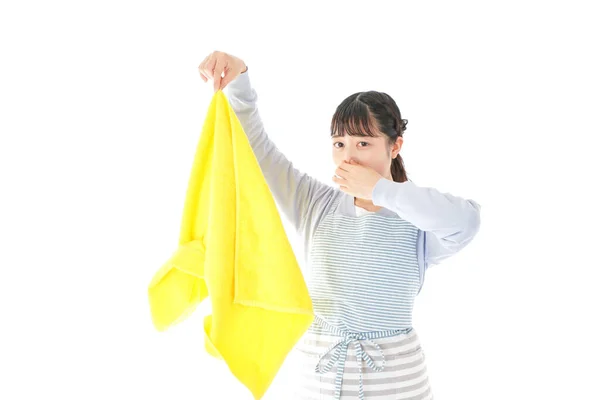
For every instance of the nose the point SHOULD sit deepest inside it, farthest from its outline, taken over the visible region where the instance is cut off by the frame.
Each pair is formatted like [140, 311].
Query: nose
[349, 155]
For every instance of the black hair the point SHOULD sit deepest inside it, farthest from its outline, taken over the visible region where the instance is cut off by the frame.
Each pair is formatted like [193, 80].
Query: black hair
[365, 114]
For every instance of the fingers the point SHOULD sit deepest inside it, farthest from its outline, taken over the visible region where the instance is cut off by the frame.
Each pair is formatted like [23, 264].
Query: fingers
[209, 67]
[339, 181]
[228, 77]
[342, 172]
[219, 68]
[204, 77]
[201, 68]
[348, 166]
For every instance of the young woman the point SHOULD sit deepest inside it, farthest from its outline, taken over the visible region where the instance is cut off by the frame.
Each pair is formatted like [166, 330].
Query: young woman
[367, 243]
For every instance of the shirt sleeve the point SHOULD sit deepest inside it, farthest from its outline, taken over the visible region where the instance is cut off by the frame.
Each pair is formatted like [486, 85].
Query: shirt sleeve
[300, 197]
[449, 222]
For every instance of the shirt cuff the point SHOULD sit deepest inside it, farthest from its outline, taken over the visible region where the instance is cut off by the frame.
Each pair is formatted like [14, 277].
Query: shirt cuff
[240, 88]
[382, 187]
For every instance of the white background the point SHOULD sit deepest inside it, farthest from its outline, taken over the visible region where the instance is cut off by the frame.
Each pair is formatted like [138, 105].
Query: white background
[101, 107]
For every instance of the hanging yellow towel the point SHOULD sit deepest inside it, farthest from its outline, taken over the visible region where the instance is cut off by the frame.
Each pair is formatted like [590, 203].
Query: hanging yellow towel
[233, 248]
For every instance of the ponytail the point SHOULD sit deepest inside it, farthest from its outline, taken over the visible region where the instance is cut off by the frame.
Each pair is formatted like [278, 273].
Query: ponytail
[397, 169]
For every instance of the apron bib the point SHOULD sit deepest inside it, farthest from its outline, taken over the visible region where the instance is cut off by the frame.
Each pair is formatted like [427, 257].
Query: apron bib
[363, 277]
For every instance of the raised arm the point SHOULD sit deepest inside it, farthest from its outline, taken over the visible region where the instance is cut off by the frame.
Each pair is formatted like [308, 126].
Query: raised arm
[298, 195]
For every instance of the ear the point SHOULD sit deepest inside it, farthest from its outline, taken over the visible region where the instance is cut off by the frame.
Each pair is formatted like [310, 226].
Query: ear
[397, 146]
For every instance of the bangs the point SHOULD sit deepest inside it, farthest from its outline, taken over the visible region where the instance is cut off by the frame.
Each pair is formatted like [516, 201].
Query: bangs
[352, 118]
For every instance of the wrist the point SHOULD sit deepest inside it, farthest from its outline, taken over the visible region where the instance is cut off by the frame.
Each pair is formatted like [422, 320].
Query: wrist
[378, 192]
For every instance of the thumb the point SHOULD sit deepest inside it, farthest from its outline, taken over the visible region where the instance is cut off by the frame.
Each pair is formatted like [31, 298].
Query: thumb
[229, 76]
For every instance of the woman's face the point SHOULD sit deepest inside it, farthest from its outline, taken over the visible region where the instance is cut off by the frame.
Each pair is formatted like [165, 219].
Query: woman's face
[374, 152]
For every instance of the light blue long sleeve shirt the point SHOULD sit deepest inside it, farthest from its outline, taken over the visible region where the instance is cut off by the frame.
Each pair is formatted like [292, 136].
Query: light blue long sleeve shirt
[446, 223]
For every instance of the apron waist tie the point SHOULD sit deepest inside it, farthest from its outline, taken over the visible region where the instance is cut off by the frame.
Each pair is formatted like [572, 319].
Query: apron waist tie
[340, 348]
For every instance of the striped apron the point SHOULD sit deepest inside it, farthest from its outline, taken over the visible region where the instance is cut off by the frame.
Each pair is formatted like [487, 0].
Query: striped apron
[363, 277]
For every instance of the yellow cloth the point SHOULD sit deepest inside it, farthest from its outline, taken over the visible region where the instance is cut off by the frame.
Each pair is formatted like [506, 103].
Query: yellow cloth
[233, 247]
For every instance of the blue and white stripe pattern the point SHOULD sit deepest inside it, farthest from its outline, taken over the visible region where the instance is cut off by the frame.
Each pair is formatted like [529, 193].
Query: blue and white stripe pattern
[363, 272]
[341, 349]
[363, 277]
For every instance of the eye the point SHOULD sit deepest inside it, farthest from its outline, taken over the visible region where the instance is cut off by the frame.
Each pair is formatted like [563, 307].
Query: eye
[334, 144]
[365, 144]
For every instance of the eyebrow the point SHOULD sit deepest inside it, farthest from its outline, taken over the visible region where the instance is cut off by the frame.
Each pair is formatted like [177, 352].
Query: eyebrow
[360, 137]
